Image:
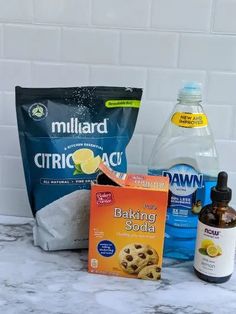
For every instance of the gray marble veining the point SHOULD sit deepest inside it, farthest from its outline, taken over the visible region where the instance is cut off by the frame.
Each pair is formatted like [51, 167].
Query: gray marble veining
[34, 281]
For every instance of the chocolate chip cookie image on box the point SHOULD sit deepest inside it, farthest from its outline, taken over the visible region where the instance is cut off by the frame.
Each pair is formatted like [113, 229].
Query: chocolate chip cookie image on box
[135, 256]
[152, 272]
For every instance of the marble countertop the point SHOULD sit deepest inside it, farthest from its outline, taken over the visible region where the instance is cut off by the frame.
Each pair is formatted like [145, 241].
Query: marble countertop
[34, 281]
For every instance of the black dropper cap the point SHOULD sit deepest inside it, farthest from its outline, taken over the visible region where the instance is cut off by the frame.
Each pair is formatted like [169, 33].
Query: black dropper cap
[221, 192]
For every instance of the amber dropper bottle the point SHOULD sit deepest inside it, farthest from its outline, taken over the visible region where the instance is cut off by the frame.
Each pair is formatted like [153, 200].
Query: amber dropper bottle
[216, 235]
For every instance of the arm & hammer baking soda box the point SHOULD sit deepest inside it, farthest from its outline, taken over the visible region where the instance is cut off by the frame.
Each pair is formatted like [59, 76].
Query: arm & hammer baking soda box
[127, 224]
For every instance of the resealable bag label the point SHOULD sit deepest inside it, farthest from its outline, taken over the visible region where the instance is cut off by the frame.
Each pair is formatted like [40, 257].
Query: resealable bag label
[64, 134]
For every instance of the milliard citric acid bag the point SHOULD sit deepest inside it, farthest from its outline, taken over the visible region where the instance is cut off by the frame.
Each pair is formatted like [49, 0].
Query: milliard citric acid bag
[64, 134]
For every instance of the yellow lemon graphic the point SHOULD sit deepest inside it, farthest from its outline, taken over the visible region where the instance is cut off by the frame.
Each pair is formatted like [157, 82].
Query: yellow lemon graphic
[207, 242]
[82, 155]
[219, 250]
[212, 250]
[90, 166]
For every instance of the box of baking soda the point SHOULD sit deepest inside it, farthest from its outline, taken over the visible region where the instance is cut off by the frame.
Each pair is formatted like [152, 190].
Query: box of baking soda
[127, 224]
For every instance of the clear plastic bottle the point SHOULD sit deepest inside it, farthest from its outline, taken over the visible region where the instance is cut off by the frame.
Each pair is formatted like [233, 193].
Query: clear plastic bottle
[185, 152]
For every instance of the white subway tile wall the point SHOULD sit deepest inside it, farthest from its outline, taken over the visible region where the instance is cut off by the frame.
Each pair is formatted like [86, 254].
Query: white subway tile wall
[14, 202]
[183, 15]
[207, 52]
[163, 83]
[59, 74]
[220, 119]
[154, 44]
[12, 168]
[117, 76]
[154, 120]
[122, 13]
[62, 12]
[9, 142]
[224, 18]
[7, 109]
[148, 142]
[89, 46]
[151, 49]
[13, 73]
[221, 88]
[1, 40]
[135, 148]
[16, 11]
[31, 42]
[227, 156]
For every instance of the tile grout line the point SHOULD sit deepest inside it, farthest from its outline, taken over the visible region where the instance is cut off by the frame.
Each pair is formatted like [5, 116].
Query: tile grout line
[179, 50]
[1, 41]
[212, 17]
[90, 20]
[110, 28]
[119, 50]
[149, 17]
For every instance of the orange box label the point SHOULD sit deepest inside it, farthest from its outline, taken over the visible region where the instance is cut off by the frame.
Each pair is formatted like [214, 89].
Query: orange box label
[127, 226]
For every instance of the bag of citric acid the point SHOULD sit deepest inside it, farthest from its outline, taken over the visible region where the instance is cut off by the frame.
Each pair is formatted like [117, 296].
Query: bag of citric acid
[64, 134]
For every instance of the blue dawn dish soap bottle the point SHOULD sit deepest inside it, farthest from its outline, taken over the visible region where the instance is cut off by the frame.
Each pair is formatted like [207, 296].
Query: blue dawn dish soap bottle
[186, 153]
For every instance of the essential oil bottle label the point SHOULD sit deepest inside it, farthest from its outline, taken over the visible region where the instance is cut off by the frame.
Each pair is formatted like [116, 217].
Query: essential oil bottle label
[215, 250]
[189, 120]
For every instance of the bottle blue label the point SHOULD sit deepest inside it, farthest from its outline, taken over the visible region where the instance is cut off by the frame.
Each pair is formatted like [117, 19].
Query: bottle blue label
[185, 196]
[189, 192]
